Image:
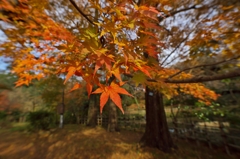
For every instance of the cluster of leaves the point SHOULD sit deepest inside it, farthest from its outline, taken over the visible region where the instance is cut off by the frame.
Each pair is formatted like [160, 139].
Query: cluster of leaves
[216, 111]
[196, 90]
[211, 112]
[123, 38]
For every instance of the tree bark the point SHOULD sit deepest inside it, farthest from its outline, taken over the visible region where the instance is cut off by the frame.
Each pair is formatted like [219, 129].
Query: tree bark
[112, 117]
[156, 134]
[92, 111]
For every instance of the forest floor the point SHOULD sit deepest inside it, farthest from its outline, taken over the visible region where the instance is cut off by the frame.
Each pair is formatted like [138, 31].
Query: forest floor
[79, 142]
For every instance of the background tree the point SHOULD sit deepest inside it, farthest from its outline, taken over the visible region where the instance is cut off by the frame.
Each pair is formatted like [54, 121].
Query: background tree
[52, 89]
[77, 102]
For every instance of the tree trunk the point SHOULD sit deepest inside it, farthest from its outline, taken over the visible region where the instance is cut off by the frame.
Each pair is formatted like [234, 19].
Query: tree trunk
[33, 106]
[156, 134]
[112, 117]
[61, 121]
[62, 109]
[78, 119]
[92, 111]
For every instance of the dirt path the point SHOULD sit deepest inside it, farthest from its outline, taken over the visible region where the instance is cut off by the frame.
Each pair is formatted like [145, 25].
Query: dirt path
[87, 143]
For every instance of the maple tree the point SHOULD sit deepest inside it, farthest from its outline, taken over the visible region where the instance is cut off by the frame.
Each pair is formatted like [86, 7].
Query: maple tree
[101, 46]
[109, 39]
[51, 93]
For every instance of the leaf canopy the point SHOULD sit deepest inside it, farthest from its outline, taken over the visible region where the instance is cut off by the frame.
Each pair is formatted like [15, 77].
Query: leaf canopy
[105, 41]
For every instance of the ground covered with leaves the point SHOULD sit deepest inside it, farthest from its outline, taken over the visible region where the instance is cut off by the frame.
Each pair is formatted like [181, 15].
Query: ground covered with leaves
[78, 142]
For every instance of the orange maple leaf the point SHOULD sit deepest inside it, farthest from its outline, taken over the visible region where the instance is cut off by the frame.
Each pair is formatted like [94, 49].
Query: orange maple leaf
[71, 71]
[89, 89]
[113, 92]
[107, 60]
[76, 86]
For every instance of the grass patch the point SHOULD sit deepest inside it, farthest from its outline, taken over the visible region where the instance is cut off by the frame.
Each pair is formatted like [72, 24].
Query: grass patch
[20, 126]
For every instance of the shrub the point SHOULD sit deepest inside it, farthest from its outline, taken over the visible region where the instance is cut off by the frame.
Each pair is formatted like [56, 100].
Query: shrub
[41, 120]
[3, 115]
[139, 116]
[233, 119]
[16, 115]
[69, 118]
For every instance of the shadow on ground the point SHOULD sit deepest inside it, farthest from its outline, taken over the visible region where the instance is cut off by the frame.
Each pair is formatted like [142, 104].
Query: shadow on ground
[78, 142]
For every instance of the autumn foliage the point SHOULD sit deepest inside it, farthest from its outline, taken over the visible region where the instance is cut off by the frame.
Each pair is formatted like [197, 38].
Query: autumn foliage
[119, 39]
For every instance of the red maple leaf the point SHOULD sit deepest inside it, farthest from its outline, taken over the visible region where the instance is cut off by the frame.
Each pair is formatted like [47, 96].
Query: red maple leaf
[113, 92]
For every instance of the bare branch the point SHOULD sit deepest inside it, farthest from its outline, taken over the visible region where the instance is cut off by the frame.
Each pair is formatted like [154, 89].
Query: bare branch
[185, 39]
[81, 12]
[181, 10]
[179, 44]
[161, 18]
[176, 57]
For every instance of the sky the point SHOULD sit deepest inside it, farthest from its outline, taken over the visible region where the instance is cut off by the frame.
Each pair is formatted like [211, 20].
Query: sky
[3, 64]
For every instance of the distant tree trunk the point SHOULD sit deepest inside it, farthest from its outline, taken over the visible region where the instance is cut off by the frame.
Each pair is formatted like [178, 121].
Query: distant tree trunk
[34, 105]
[78, 119]
[75, 114]
[112, 117]
[62, 108]
[156, 134]
[92, 111]
[61, 112]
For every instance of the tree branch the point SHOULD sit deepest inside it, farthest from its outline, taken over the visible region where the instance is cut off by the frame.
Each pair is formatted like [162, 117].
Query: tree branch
[231, 74]
[179, 44]
[182, 10]
[204, 65]
[175, 12]
[81, 12]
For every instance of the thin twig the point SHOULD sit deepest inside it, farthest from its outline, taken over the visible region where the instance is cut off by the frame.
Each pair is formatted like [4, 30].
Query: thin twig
[173, 51]
[171, 14]
[182, 10]
[186, 38]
